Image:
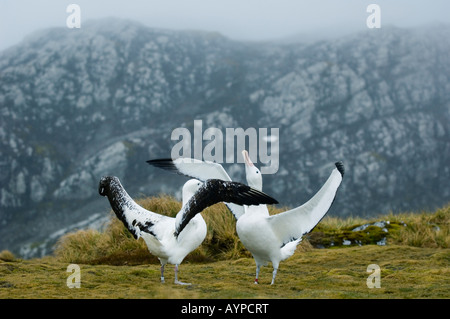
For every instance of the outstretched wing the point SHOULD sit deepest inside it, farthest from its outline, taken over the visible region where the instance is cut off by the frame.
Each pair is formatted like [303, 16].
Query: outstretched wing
[296, 222]
[214, 191]
[193, 168]
[135, 218]
[200, 170]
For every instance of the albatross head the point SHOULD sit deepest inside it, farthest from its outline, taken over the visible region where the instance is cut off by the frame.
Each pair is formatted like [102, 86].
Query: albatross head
[104, 186]
[252, 173]
[190, 188]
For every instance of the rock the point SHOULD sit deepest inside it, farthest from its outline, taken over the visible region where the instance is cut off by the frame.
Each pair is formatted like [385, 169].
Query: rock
[382, 242]
[380, 224]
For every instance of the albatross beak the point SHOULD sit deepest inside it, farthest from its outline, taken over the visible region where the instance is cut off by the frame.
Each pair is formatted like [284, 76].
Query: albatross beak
[101, 187]
[247, 158]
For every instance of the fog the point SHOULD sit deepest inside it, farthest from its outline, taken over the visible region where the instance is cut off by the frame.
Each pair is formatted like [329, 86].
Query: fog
[255, 20]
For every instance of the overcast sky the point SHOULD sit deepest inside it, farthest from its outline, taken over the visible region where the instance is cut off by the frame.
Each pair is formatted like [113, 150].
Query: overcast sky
[237, 19]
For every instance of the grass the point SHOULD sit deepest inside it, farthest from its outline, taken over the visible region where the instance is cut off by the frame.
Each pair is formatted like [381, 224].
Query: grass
[414, 263]
[406, 272]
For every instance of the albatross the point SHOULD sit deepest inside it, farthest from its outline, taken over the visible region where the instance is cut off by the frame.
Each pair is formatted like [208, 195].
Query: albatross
[269, 238]
[172, 239]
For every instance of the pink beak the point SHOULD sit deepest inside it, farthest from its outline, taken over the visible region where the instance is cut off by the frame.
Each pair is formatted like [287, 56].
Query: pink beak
[247, 158]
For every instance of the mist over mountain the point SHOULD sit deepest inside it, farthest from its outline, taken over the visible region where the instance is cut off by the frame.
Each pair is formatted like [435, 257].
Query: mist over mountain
[78, 104]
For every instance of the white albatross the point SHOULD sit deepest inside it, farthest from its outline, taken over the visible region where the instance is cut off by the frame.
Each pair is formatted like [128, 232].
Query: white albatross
[269, 238]
[172, 239]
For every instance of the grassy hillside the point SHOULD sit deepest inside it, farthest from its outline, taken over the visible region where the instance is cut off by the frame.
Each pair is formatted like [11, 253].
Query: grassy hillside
[414, 263]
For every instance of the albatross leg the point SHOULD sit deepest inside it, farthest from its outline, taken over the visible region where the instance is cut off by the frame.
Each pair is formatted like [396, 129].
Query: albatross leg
[275, 269]
[257, 274]
[162, 273]
[163, 264]
[274, 274]
[176, 277]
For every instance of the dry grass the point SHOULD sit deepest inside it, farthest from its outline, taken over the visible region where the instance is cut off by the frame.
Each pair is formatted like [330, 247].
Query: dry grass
[414, 264]
[406, 272]
[424, 229]
[116, 246]
[6, 255]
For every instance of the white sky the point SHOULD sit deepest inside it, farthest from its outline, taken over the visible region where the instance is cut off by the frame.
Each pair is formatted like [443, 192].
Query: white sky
[237, 19]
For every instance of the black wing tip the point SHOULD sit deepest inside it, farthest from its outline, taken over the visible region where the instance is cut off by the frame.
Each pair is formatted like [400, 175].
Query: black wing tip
[263, 197]
[271, 201]
[340, 167]
[248, 193]
[160, 161]
[163, 163]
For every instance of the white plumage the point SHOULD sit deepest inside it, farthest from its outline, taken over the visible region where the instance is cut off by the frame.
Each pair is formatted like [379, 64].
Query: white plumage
[268, 238]
[168, 238]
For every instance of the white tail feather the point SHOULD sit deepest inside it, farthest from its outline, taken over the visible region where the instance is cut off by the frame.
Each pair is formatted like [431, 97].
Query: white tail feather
[289, 249]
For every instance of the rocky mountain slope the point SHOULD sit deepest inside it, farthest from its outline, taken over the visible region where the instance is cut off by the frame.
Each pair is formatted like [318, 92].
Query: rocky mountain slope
[77, 104]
